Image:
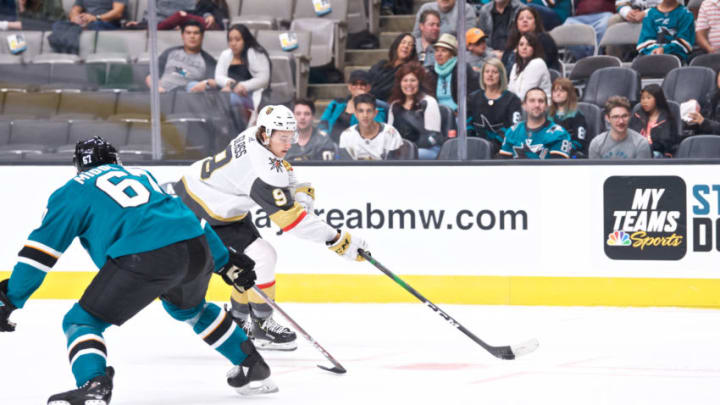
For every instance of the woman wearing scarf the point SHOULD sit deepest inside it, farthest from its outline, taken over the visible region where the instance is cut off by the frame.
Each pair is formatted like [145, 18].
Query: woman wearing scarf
[443, 74]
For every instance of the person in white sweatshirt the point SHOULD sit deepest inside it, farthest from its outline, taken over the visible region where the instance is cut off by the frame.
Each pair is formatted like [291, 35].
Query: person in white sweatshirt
[529, 70]
[243, 69]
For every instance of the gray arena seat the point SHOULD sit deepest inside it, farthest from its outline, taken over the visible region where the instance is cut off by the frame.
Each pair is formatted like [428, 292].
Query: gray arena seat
[594, 118]
[700, 146]
[24, 76]
[100, 104]
[119, 46]
[654, 68]
[36, 136]
[612, 81]
[688, 82]
[33, 39]
[40, 105]
[305, 19]
[584, 68]
[408, 151]
[270, 40]
[263, 14]
[711, 60]
[477, 149]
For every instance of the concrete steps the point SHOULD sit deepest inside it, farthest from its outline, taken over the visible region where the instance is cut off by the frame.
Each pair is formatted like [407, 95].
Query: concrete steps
[328, 91]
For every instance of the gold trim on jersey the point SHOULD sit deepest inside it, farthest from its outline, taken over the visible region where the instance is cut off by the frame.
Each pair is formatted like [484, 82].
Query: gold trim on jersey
[207, 210]
[285, 218]
[309, 190]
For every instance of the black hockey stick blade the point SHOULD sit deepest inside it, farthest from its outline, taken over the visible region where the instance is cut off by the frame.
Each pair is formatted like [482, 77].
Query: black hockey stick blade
[337, 369]
[501, 352]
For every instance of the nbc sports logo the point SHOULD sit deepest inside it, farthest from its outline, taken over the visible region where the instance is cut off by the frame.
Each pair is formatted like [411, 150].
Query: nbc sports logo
[618, 238]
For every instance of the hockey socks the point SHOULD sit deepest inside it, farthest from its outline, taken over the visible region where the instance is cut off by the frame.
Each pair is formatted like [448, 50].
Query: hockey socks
[215, 327]
[86, 347]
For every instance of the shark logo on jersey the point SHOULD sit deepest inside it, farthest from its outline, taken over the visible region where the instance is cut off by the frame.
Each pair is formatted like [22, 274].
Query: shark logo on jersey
[485, 123]
[276, 164]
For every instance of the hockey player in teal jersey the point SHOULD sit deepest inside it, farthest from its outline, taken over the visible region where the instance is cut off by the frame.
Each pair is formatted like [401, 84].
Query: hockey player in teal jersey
[146, 244]
[538, 137]
[667, 28]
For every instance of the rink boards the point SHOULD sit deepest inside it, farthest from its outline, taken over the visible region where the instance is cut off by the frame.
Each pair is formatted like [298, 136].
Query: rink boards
[638, 235]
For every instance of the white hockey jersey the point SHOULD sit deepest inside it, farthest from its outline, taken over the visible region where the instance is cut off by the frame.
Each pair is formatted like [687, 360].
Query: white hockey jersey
[377, 148]
[223, 188]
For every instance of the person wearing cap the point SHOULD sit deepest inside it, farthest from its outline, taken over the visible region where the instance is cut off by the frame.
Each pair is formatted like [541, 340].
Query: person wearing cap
[478, 51]
[340, 113]
[443, 74]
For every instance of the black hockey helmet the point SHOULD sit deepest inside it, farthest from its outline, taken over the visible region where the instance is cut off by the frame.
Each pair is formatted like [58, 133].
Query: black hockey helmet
[94, 152]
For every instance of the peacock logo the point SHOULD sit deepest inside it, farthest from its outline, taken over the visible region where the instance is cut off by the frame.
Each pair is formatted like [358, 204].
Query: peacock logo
[618, 238]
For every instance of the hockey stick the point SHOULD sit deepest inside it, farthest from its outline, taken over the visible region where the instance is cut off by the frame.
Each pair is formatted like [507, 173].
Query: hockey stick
[337, 369]
[501, 352]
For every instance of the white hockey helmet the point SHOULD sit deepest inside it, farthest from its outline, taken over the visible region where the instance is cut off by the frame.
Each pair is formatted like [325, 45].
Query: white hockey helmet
[277, 118]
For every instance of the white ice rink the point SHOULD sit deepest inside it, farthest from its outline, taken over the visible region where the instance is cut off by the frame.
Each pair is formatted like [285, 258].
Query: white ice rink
[396, 354]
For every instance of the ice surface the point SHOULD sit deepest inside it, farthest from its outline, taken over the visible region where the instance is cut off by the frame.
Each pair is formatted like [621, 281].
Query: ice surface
[395, 354]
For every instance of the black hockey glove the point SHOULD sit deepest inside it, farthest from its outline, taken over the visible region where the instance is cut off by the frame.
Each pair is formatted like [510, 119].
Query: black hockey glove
[6, 308]
[239, 271]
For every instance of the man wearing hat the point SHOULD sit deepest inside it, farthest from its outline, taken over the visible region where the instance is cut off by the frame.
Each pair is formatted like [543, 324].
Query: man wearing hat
[340, 113]
[478, 51]
[444, 73]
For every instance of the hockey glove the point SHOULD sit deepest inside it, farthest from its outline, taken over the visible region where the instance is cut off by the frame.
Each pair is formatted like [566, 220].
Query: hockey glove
[347, 246]
[239, 271]
[6, 308]
[305, 196]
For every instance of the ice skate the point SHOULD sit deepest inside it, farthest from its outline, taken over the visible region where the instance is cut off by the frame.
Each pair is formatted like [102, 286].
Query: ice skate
[252, 377]
[94, 392]
[270, 335]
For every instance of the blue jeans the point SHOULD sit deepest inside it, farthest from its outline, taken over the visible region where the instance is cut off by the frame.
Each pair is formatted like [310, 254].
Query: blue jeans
[599, 21]
[103, 26]
[428, 153]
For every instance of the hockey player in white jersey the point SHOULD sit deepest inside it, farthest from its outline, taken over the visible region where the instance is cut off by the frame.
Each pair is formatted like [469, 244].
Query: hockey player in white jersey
[251, 172]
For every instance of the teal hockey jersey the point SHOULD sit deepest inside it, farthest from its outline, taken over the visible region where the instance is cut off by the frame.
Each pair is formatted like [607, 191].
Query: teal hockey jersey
[548, 141]
[114, 211]
[673, 31]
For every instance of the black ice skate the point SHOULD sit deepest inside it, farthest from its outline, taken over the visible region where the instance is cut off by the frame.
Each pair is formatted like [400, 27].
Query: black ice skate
[94, 392]
[270, 335]
[240, 321]
[252, 377]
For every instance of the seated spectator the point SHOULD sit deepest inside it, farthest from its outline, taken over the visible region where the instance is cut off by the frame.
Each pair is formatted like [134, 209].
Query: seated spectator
[493, 109]
[443, 76]
[186, 67]
[620, 142]
[382, 74]
[538, 137]
[707, 26]
[414, 113]
[529, 70]
[478, 51]
[429, 34]
[339, 115]
[9, 16]
[528, 20]
[243, 69]
[552, 12]
[707, 119]
[594, 13]
[667, 28]
[369, 139]
[448, 15]
[174, 13]
[98, 14]
[632, 11]
[32, 15]
[310, 145]
[564, 112]
[655, 122]
[496, 19]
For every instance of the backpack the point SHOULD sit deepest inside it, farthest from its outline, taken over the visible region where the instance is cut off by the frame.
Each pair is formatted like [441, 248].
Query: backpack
[65, 37]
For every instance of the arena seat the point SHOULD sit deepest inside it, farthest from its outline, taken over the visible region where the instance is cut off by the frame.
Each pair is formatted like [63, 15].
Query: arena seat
[612, 81]
[688, 82]
[594, 118]
[24, 76]
[699, 146]
[113, 132]
[654, 68]
[305, 19]
[477, 149]
[621, 34]
[120, 46]
[264, 14]
[408, 151]
[584, 68]
[40, 105]
[270, 40]
[100, 104]
[36, 136]
[711, 60]
[33, 39]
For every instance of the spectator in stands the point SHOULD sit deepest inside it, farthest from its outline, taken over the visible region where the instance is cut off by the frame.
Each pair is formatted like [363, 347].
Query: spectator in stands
[552, 12]
[382, 74]
[631, 11]
[707, 119]
[174, 13]
[9, 16]
[98, 14]
[443, 76]
[478, 51]
[564, 112]
[707, 26]
[414, 113]
[32, 15]
[496, 19]
[340, 113]
[538, 137]
[187, 67]
[528, 20]
[429, 34]
[243, 69]
[620, 142]
[594, 13]
[493, 109]
[655, 122]
[310, 145]
[369, 139]
[448, 11]
[667, 28]
[529, 70]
